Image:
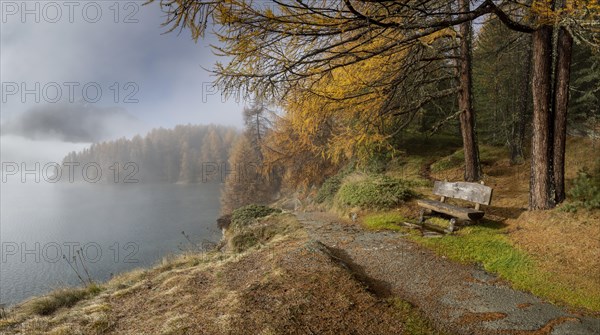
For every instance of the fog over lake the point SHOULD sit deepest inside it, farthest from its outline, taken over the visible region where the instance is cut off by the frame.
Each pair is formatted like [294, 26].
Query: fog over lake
[119, 227]
[145, 80]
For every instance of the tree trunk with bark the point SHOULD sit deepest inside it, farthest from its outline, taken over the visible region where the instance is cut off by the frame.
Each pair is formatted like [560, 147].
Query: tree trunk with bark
[541, 190]
[517, 155]
[465, 102]
[561, 101]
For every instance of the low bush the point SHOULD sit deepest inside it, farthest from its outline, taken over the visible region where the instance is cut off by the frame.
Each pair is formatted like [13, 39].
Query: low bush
[329, 189]
[332, 185]
[375, 192]
[247, 215]
[585, 191]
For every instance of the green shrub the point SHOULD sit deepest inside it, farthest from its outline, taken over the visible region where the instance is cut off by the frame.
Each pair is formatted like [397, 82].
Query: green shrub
[585, 191]
[379, 192]
[247, 215]
[332, 185]
[243, 241]
[329, 189]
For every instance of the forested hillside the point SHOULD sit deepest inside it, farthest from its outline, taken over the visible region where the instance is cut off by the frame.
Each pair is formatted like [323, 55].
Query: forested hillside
[187, 154]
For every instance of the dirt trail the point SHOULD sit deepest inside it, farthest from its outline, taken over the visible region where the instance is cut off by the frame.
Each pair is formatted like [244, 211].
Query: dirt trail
[458, 298]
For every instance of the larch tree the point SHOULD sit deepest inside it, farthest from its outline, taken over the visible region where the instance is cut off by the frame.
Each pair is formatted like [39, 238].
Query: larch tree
[277, 46]
[257, 123]
[248, 182]
[465, 98]
[300, 152]
[243, 186]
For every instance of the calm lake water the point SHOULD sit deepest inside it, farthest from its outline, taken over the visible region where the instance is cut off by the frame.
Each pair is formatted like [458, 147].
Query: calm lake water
[118, 228]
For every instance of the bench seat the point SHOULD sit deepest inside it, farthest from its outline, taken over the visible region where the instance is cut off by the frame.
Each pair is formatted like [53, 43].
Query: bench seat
[468, 214]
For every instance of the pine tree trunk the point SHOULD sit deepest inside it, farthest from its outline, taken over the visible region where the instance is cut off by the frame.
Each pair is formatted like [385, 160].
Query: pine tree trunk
[541, 190]
[561, 101]
[517, 155]
[465, 105]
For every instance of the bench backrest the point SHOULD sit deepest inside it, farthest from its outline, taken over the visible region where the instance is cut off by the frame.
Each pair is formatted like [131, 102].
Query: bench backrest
[472, 192]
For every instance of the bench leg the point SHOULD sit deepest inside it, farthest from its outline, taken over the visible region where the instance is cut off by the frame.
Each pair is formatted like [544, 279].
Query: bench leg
[422, 216]
[452, 226]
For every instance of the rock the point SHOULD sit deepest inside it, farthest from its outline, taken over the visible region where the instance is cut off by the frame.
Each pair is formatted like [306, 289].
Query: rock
[224, 221]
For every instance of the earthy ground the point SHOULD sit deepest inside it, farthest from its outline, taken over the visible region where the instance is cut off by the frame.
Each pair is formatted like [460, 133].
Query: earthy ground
[289, 285]
[458, 298]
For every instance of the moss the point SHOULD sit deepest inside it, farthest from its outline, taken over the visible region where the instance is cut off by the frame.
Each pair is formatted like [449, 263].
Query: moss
[440, 222]
[414, 321]
[384, 221]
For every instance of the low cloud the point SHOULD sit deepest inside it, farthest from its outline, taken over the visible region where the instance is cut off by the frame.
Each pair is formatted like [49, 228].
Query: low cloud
[76, 123]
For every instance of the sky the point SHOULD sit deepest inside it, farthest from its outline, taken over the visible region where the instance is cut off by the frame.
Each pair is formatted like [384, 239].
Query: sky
[76, 72]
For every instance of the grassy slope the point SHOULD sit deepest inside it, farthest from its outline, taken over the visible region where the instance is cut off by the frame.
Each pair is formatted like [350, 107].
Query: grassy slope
[276, 282]
[553, 254]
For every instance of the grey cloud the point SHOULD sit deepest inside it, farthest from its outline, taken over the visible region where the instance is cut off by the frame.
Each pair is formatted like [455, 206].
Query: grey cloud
[168, 69]
[74, 123]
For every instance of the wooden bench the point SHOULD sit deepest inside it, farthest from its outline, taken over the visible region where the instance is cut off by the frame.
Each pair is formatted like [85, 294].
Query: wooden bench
[478, 194]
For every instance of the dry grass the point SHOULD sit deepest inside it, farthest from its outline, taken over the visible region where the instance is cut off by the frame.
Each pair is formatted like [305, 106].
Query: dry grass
[285, 284]
[564, 245]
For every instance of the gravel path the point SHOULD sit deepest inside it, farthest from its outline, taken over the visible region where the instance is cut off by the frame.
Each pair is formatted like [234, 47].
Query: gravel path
[458, 298]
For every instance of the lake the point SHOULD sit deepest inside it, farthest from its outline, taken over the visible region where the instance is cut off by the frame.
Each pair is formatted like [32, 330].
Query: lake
[115, 227]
